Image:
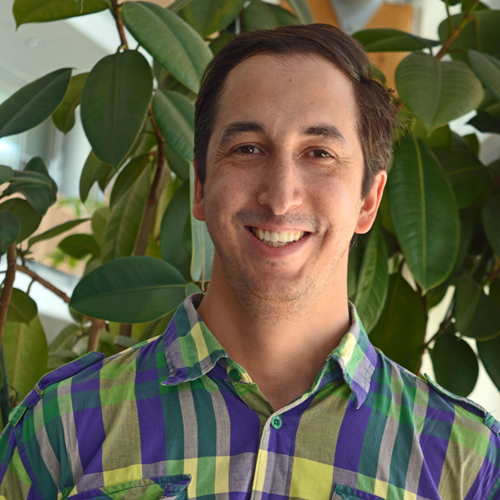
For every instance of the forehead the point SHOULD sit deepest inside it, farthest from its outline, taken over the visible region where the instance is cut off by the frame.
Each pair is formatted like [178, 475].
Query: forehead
[291, 86]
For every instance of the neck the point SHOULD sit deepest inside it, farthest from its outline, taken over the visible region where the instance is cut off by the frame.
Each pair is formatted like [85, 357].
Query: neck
[282, 346]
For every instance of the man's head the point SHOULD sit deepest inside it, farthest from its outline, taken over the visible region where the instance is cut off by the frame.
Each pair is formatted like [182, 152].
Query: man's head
[375, 110]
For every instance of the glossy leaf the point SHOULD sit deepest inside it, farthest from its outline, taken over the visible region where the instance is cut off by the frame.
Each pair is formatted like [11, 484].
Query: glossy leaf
[172, 226]
[55, 231]
[9, 230]
[392, 40]
[489, 353]
[34, 103]
[115, 101]
[26, 353]
[174, 115]
[99, 221]
[59, 358]
[40, 11]
[487, 68]
[481, 34]
[177, 5]
[476, 314]
[179, 166]
[220, 42]
[93, 170]
[455, 364]
[22, 308]
[28, 217]
[203, 249]
[127, 177]
[400, 331]
[373, 280]
[64, 116]
[6, 173]
[302, 10]
[209, 16]
[262, 15]
[157, 327]
[485, 122]
[129, 290]
[169, 39]
[79, 246]
[66, 338]
[491, 222]
[125, 219]
[437, 92]
[424, 213]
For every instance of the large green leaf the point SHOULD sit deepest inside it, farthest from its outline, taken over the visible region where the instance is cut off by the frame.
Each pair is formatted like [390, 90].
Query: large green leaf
[262, 15]
[127, 177]
[455, 364]
[27, 216]
[66, 338]
[123, 224]
[22, 308]
[93, 170]
[174, 115]
[437, 92]
[39, 11]
[302, 10]
[392, 40]
[64, 116]
[217, 44]
[202, 257]
[130, 290]
[34, 103]
[373, 280]
[79, 246]
[156, 327]
[487, 68]
[9, 230]
[491, 222]
[55, 231]
[470, 180]
[480, 34]
[26, 353]
[6, 173]
[400, 331]
[489, 353]
[169, 39]
[115, 101]
[35, 183]
[99, 221]
[476, 313]
[172, 227]
[485, 122]
[424, 212]
[179, 166]
[209, 16]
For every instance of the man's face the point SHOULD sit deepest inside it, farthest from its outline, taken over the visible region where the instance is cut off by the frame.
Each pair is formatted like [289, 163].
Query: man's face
[282, 196]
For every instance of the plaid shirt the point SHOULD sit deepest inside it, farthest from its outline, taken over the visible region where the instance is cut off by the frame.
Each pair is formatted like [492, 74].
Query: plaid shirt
[176, 418]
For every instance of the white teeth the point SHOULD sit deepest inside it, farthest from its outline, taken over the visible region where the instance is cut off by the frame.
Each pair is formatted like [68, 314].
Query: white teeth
[275, 238]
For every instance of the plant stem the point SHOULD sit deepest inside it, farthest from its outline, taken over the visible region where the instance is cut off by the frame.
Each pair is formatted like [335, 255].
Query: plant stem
[119, 23]
[450, 22]
[458, 29]
[45, 283]
[95, 332]
[7, 286]
[5, 405]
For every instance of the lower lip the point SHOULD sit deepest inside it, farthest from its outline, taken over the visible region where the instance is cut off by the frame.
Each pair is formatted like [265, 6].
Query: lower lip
[277, 251]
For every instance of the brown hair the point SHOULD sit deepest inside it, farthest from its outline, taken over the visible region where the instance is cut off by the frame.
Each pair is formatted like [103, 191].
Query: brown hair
[375, 108]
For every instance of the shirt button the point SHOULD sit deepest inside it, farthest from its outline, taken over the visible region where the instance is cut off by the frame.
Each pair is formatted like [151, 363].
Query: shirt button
[276, 422]
[235, 375]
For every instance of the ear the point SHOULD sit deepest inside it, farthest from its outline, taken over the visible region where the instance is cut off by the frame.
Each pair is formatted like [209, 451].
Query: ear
[371, 203]
[199, 196]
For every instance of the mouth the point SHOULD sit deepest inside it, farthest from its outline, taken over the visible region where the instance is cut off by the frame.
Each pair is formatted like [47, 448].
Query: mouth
[277, 238]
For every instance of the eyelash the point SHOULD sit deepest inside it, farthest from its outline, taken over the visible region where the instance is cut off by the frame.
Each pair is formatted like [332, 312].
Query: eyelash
[239, 150]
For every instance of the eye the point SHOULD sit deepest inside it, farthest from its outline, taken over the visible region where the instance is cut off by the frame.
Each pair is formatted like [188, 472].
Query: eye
[248, 149]
[319, 153]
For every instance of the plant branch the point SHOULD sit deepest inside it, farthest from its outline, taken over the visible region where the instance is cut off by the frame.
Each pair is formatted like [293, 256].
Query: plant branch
[95, 332]
[457, 31]
[119, 23]
[8, 285]
[45, 283]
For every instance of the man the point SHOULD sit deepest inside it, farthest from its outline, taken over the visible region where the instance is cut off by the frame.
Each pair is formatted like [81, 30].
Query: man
[267, 387]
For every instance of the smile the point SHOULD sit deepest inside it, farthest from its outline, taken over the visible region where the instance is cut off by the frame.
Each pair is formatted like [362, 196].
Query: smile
[277, 238]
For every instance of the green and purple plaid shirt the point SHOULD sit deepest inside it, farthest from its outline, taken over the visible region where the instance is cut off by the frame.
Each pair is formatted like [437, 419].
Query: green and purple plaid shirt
[176, 418]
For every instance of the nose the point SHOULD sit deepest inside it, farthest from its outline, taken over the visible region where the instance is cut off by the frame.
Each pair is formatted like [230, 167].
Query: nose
[281, 189]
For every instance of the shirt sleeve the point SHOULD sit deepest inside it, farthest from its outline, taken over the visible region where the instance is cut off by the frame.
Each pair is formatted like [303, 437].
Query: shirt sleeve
[15, 482]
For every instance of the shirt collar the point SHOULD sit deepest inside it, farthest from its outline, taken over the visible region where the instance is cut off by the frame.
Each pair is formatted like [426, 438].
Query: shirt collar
[191, 350]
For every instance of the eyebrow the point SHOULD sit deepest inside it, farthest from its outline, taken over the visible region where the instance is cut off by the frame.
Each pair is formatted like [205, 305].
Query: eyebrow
[328, 131]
